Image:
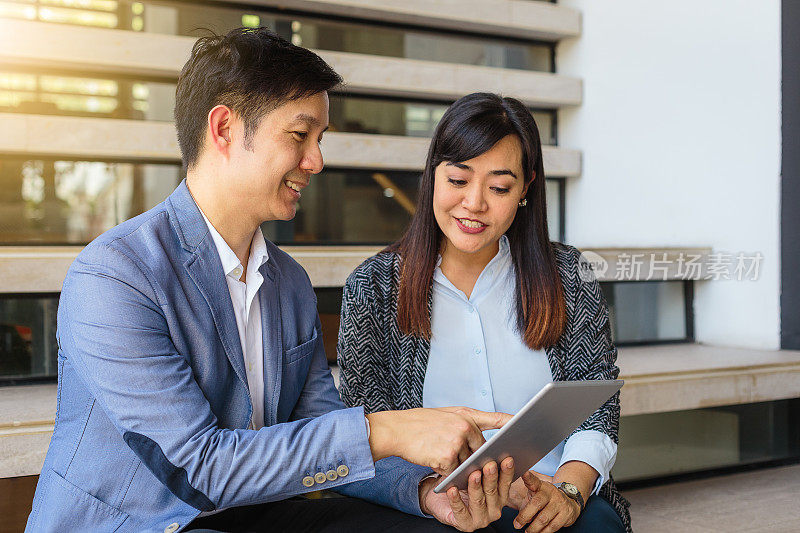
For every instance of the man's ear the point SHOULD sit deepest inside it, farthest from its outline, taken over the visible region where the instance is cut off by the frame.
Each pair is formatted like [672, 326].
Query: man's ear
[219, 127]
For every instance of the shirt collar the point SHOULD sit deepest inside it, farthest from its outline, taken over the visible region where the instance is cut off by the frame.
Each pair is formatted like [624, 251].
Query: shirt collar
[496, 267]
[258, 250]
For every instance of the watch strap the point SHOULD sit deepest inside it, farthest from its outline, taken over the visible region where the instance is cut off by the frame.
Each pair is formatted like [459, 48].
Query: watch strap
[574, 496]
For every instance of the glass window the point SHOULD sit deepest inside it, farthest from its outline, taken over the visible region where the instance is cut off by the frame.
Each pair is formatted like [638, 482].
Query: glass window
[46, 201]
[329, 306]
[555, 197]
[343, 206]
[72, 202]
[82, 96]
[665, 444]
[649, 311]
[181, 18]
[362, 114]
[27, 337]
[28, 92]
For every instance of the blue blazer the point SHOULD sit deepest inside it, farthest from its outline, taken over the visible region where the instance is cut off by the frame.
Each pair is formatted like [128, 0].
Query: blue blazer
[153, 403]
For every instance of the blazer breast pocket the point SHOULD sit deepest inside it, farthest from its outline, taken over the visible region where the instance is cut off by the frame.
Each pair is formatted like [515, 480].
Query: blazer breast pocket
[301, 351]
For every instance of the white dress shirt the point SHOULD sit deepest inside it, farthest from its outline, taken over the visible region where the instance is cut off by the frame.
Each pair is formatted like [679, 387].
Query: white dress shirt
[478, 359]
[247, 309]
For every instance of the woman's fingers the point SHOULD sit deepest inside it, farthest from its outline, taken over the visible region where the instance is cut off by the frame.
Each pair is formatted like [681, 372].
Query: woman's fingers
[536, 502]
[532, 482]
[491, 489]
[557, 523]
[477, 500]
[543, 518]
[505, 479]
[461, 514]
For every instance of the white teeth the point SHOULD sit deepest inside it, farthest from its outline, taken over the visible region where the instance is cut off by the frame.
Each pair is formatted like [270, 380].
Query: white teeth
[292, 186]
[471, 223]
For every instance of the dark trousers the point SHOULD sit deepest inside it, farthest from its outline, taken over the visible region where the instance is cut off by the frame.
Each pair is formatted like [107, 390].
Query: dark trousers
[327, 515]
[345, 515]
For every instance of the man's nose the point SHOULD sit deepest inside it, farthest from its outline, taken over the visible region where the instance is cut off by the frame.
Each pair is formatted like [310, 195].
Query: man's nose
[312, 160]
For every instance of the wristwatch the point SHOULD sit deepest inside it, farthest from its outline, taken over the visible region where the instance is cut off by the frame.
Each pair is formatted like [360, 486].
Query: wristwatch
[571, 492]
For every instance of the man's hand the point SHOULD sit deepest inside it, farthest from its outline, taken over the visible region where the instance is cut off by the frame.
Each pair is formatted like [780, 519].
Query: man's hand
[478, 506]
[544, 509]
[438, 438]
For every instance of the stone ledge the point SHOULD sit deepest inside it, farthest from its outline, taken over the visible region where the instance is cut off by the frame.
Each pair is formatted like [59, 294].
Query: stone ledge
[678, 377]
[657, 378]
[505, 18]
[41, 269]
[147, 141]
[27, 415]
[47, 45]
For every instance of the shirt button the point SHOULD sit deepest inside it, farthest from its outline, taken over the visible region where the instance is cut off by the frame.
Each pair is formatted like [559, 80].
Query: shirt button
[484, 392]
[319, 477]
[471, 309]
[342, 470]
[308, 481]
[477, 350]
[237, 272]
[172, 527]
[331, 475]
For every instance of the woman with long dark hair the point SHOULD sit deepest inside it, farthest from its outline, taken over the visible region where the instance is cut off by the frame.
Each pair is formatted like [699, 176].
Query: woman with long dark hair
[475, 306]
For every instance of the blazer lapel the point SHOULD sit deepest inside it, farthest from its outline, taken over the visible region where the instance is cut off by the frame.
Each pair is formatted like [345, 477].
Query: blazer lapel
[205, 270]
[272, 336]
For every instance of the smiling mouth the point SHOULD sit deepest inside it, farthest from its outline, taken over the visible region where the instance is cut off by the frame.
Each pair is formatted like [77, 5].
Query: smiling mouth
[292, 185]
[472, 224]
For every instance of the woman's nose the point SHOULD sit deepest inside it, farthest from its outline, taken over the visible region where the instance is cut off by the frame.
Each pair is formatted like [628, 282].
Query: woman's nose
[474, 199]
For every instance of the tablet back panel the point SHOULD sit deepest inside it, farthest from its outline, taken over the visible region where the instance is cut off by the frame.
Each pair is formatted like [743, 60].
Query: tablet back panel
[547, 419]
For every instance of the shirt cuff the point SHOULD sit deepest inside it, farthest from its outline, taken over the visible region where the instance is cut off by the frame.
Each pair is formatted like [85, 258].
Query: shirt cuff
[594, 448]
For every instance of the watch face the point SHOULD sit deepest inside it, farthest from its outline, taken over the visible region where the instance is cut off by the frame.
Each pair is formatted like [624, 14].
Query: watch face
[571, 489]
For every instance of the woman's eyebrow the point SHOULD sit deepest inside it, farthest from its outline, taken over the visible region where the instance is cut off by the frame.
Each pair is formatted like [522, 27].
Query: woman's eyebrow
[500, 172]
[503, 172]
[462, 166]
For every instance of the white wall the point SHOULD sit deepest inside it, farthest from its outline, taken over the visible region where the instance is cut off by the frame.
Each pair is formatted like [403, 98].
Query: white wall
[680, 131]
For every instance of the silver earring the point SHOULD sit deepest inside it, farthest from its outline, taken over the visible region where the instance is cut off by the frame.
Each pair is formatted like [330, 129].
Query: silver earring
[523, 202]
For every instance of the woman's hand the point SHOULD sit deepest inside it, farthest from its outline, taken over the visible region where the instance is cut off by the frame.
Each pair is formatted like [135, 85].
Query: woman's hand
[478, 506]
[543, 507]
[518, 493]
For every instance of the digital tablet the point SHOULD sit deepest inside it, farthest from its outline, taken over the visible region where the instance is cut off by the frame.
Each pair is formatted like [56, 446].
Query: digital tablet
[546, 420]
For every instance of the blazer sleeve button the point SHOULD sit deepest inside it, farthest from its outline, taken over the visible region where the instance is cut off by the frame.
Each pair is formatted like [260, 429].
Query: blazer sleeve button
[308, 481]
[342, 470]
[331, 475]
[172, 527]
[319, 477]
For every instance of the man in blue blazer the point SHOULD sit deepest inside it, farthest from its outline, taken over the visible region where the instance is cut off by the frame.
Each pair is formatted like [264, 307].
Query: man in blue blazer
[194, 391]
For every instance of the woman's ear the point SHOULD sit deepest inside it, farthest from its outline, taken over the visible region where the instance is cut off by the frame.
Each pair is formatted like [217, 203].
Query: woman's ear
[525, 188]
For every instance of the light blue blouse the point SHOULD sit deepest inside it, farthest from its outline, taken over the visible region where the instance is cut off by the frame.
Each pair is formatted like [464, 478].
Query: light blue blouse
[478, 359]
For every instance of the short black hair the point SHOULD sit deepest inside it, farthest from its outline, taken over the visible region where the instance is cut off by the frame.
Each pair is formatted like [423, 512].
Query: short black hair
[250, 70]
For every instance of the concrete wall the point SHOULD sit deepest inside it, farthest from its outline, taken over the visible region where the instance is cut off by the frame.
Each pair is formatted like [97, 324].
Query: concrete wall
[680, 133]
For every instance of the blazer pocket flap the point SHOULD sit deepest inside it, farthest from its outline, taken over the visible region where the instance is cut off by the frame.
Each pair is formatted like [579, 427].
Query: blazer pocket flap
[67, 505]
[302, 350]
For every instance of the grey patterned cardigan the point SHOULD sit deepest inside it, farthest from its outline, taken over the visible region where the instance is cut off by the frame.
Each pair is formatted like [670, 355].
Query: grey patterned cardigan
[383, 369]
